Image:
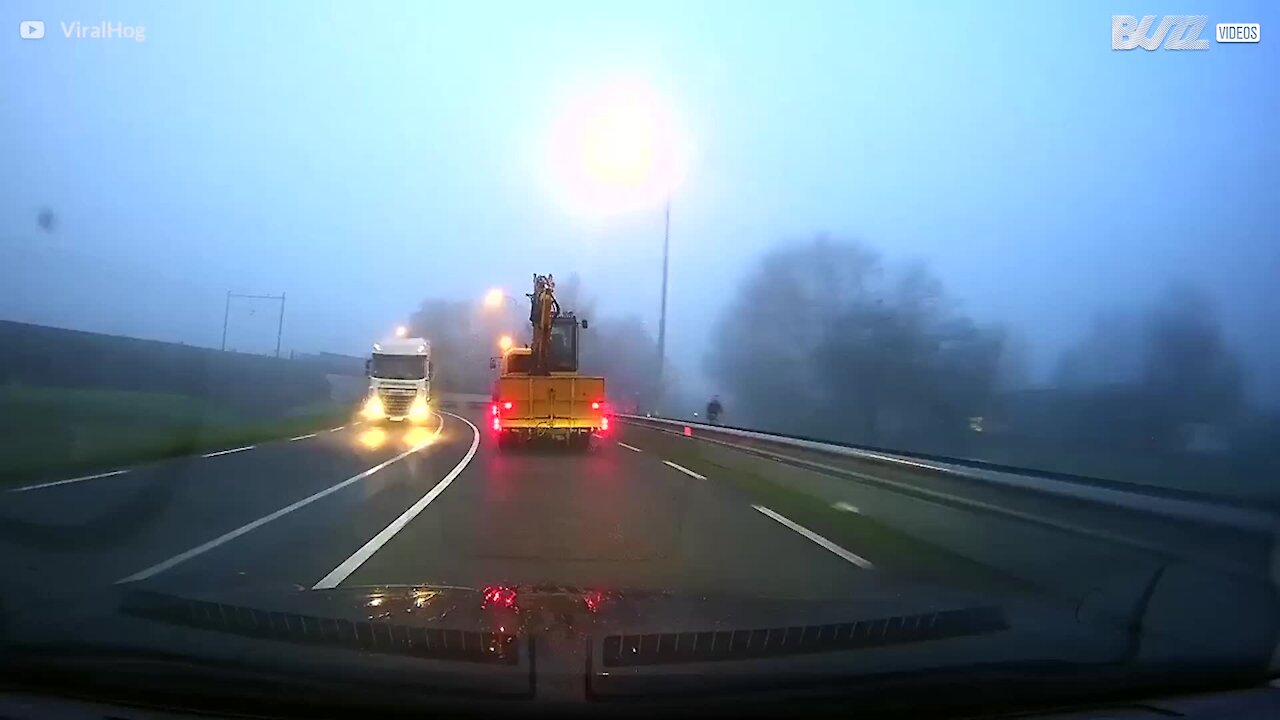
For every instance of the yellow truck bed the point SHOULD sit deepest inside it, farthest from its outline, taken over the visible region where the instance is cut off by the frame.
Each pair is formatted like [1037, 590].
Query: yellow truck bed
[550, 403]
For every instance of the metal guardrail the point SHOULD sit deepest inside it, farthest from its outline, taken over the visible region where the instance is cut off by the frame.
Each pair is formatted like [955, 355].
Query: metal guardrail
[1197, 511]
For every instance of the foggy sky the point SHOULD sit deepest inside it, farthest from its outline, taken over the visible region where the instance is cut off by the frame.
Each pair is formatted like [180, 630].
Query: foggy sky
[364, 156]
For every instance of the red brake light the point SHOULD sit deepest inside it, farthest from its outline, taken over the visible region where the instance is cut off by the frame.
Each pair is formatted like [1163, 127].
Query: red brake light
[688, 431]
[497, 424]
[595, 406]
[506, 405]
[493, 409]
[604, 423]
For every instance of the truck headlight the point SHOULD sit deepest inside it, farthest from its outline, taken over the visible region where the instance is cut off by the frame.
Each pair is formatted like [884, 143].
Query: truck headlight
[418, 409]
[373, 409]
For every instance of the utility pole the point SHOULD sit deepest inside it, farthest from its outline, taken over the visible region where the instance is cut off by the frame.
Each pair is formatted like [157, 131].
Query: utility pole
[226, 315]
[280, 327]
[662, 315]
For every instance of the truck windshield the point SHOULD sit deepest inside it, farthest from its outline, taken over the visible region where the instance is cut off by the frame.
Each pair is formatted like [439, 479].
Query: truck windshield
[399, 367]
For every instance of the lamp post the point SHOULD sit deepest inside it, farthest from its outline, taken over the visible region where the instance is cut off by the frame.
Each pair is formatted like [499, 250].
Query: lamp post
[662, 313]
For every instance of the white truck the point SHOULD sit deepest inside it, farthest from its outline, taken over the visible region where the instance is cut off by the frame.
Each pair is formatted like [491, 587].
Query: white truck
[399, 373]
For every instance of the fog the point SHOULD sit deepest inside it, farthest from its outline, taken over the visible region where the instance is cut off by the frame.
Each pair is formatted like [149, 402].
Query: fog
[997, 177]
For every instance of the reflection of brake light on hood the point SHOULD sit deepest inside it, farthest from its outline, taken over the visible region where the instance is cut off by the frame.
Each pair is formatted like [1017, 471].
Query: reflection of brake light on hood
[593, 599]
[499, 596]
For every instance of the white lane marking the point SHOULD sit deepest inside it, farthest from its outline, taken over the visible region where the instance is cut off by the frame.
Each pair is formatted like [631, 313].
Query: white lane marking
[348, 566]
[68, 482]
[685, 470]
[631, 448]
[815, 537]
[340, 427]
[228, 452]
[846, 507]
[302, 437]
[227, 537]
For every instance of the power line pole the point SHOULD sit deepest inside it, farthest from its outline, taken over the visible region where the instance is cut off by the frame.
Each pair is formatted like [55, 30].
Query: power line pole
[662, 315]
[280, 326]
[226, 315]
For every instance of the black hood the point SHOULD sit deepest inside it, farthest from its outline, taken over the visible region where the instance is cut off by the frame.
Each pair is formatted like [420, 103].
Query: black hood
[567, 643]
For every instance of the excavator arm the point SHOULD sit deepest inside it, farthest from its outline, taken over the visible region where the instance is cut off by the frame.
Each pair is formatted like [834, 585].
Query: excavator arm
[543, 312]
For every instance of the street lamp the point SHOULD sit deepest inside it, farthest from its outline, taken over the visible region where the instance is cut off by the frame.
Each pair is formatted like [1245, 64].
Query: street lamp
[401, 331]
[495, 297]
[505, 342]
[621, 149]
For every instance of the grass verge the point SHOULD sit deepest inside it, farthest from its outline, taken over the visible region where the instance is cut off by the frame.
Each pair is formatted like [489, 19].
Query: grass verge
[49, 433]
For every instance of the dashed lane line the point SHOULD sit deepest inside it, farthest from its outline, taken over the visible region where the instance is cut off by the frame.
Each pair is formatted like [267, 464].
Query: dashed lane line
[228, 452]
[685, 470]
[113, 473]
[826, 544]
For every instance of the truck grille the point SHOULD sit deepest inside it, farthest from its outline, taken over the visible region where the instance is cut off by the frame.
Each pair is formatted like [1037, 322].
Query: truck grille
[396, 401]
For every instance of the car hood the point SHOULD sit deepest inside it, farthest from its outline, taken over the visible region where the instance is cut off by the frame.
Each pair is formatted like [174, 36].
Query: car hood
[571, 643]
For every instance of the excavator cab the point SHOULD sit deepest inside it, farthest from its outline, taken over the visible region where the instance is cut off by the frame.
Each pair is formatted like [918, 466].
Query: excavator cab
[562, 356]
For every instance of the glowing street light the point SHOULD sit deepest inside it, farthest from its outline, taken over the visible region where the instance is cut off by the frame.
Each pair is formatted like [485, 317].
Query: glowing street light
[505, 343]
[494, 298]
[616, 149]
[401, 331]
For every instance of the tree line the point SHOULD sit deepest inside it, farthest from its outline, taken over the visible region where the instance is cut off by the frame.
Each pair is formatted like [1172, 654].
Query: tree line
[825, 338]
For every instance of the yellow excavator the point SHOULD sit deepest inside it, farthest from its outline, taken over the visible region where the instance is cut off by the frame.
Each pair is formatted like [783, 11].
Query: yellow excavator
[538, 392]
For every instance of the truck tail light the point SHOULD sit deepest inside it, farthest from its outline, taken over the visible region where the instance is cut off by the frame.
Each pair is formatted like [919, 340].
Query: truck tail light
[595, 406]
[506, 406]
[497, 424]
[604, 424]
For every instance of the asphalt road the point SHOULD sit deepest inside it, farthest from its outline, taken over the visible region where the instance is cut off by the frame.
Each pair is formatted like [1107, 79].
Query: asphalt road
[360, 506]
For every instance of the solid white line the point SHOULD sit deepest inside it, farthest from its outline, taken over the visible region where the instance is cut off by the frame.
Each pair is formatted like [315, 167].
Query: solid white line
[632, 449]
[68, 482]
[685, 470]
[815, 537]
[228, 452]
[348, 566]
[227, 537]
[302, 437]
[340, 427]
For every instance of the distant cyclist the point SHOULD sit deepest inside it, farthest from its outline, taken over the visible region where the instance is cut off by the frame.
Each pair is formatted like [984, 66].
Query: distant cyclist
[714, 409]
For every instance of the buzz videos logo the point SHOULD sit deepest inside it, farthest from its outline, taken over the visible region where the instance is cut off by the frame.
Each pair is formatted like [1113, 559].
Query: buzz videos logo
[1176, 32]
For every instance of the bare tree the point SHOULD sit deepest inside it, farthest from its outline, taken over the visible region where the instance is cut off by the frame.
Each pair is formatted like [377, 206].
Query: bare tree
[1188, 372]
[821, 341]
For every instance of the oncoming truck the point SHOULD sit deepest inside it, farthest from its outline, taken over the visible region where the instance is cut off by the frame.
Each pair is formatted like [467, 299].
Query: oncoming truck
[539, 392]
[399, 373]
